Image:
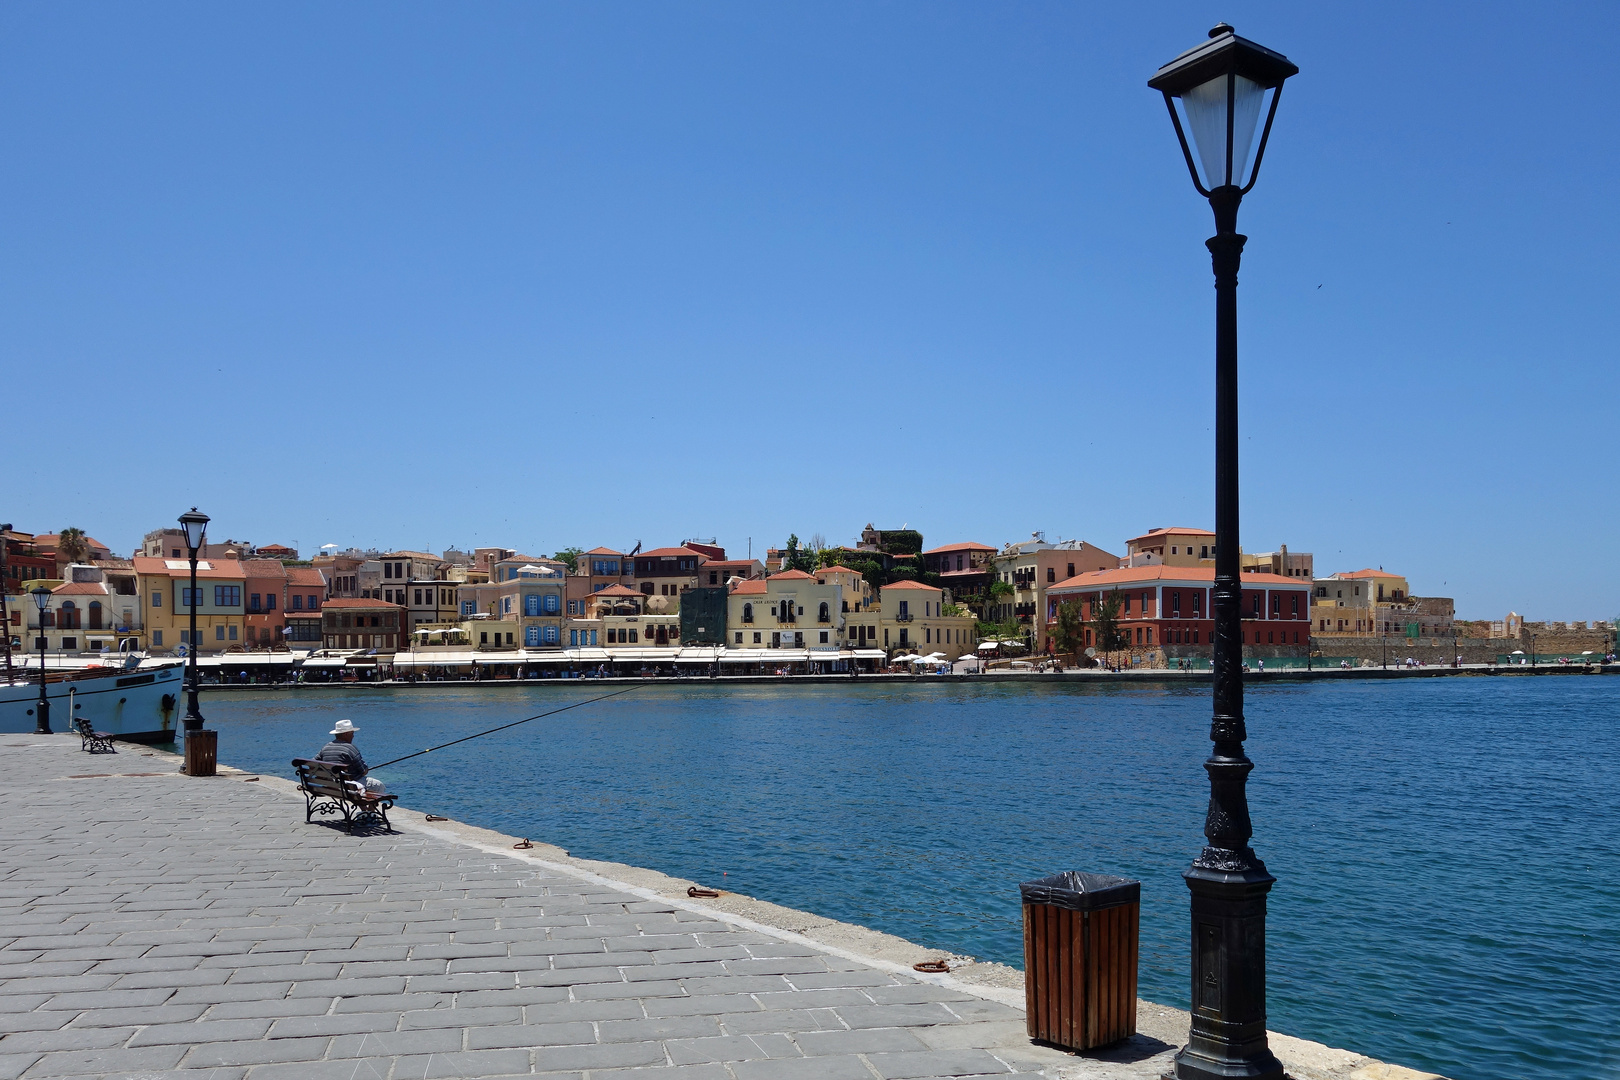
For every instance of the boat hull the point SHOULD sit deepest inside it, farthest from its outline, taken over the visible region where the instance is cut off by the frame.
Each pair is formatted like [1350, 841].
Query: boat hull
[140, 705]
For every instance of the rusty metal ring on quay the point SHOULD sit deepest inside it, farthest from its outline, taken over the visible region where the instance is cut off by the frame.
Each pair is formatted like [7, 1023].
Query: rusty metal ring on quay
[705, 894]
[932, 967]
[436, 817]
[524, 843]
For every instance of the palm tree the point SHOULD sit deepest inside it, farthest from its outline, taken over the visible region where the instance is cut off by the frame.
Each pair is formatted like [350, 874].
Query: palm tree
[71, 546]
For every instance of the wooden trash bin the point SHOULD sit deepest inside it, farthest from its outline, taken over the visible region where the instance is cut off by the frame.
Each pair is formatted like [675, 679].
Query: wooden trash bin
[202, 753]
[1080, 942]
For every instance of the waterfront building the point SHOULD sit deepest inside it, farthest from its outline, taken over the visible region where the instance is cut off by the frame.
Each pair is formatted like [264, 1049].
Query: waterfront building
[265, 581]
[1375, 603]
[164, 586]
[1171, 547]
[301, 607]
[1162, 607]
[668, 571]
[914, 617]
[616, 614]
[362, 623]
[26, 564]
[416, 581]
[964, 569]
[51, 544]
[531, 595]
[1282, 562]
[790, 610]
[1035, 565]
[719, 572]
[86, 614]
[342, 574]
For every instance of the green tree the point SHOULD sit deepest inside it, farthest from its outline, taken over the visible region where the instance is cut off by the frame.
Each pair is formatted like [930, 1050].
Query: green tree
[1068, 631]
[72, 545]
[1105, 623]
[799, 558]
[998, 592]
[569, 557]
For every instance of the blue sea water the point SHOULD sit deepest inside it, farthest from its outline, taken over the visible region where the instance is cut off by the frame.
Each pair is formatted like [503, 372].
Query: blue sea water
[1447, 850]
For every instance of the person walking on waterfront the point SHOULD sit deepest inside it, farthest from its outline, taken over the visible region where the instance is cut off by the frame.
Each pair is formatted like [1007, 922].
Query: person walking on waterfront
[342, 751]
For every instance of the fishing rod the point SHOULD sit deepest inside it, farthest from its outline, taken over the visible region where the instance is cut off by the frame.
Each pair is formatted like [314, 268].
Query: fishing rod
[503, 727]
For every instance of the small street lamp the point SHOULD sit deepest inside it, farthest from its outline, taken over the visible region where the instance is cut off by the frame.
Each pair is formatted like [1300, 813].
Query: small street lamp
[1222, 85]
[1532, 650]
[42, 711]
[195, 525]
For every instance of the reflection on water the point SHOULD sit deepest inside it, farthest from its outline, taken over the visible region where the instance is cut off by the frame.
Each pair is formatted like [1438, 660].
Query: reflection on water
[1445, 849]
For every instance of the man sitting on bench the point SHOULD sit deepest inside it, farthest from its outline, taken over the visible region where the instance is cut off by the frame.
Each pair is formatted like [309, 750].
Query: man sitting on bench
[342, 751]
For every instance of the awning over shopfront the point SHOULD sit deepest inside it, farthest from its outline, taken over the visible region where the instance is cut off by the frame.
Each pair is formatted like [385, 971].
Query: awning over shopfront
[447, 658]
[764, 656]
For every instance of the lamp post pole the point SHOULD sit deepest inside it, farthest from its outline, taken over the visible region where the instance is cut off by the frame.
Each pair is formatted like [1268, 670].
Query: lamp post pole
[1228, 882]
[1532, 650]
[196, 528]
[5, 616]
[42, 711]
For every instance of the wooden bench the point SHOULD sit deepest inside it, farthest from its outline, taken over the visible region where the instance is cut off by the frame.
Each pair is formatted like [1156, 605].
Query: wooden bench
[326, 791]
[91, 741]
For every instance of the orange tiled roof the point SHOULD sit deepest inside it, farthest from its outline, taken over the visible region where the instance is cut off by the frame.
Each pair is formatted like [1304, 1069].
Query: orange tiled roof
[218, 568]
[968, 546]
[840, 569]
[1368, 574]
[603, 551]
[263, 568]
[1137, 575]
[1151, 533]
[80, 588]
[304, 575]
[910, 585]
[792, 575]
[658, 553]
[52, 540]
[753, 587]
[617, 590]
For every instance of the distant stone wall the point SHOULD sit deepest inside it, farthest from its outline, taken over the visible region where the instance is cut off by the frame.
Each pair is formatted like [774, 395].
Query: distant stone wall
[1439, 650]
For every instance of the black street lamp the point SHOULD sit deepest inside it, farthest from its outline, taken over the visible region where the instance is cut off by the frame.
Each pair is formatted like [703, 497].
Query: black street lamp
[1222, 86]
[196, 526]
[42, 711]
[1532, 650]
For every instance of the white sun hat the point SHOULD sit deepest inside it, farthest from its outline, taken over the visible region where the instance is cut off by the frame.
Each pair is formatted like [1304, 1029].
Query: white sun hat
[342, 726]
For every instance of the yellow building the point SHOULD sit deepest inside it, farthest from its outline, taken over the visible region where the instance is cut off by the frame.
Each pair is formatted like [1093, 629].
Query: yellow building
[790, 610]
[913, 617]
[1363, 603]
[164, 586]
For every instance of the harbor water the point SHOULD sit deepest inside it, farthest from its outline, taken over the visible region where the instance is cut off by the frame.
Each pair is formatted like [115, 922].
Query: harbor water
[1447, 850]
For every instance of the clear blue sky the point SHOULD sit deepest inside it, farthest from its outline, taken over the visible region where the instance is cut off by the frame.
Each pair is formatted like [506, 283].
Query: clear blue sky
[551, 274]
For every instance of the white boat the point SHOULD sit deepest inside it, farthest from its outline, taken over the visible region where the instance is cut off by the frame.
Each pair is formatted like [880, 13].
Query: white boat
[134, 702]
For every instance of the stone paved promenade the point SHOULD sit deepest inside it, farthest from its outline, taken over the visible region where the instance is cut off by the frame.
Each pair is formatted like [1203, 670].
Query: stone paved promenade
[156, 926]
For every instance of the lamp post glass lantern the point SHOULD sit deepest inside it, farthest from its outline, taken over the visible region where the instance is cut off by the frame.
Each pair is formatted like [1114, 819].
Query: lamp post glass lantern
[42, 711]
[195, 525]
[1221, 87]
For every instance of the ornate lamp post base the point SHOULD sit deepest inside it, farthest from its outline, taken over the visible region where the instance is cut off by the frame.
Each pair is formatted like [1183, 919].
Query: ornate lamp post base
[1228, 1035]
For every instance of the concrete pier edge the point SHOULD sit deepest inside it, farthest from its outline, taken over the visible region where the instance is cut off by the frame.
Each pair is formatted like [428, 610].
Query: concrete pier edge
[1304, 1059]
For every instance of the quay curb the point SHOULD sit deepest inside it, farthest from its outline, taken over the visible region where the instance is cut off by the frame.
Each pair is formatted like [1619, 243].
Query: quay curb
[1071, 677]
[1303, 1058]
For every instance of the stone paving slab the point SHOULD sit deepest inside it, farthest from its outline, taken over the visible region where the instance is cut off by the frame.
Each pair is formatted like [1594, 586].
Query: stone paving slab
[160, 926]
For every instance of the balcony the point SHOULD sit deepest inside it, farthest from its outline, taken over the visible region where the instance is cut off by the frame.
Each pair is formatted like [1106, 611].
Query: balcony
[904, 616]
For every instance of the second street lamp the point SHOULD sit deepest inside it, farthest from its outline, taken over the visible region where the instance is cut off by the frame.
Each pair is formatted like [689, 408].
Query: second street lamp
[1221, 85]
[196, 526]
[42, 714]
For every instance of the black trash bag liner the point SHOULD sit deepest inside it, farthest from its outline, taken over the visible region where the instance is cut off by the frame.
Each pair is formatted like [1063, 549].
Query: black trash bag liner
[1077, 890]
